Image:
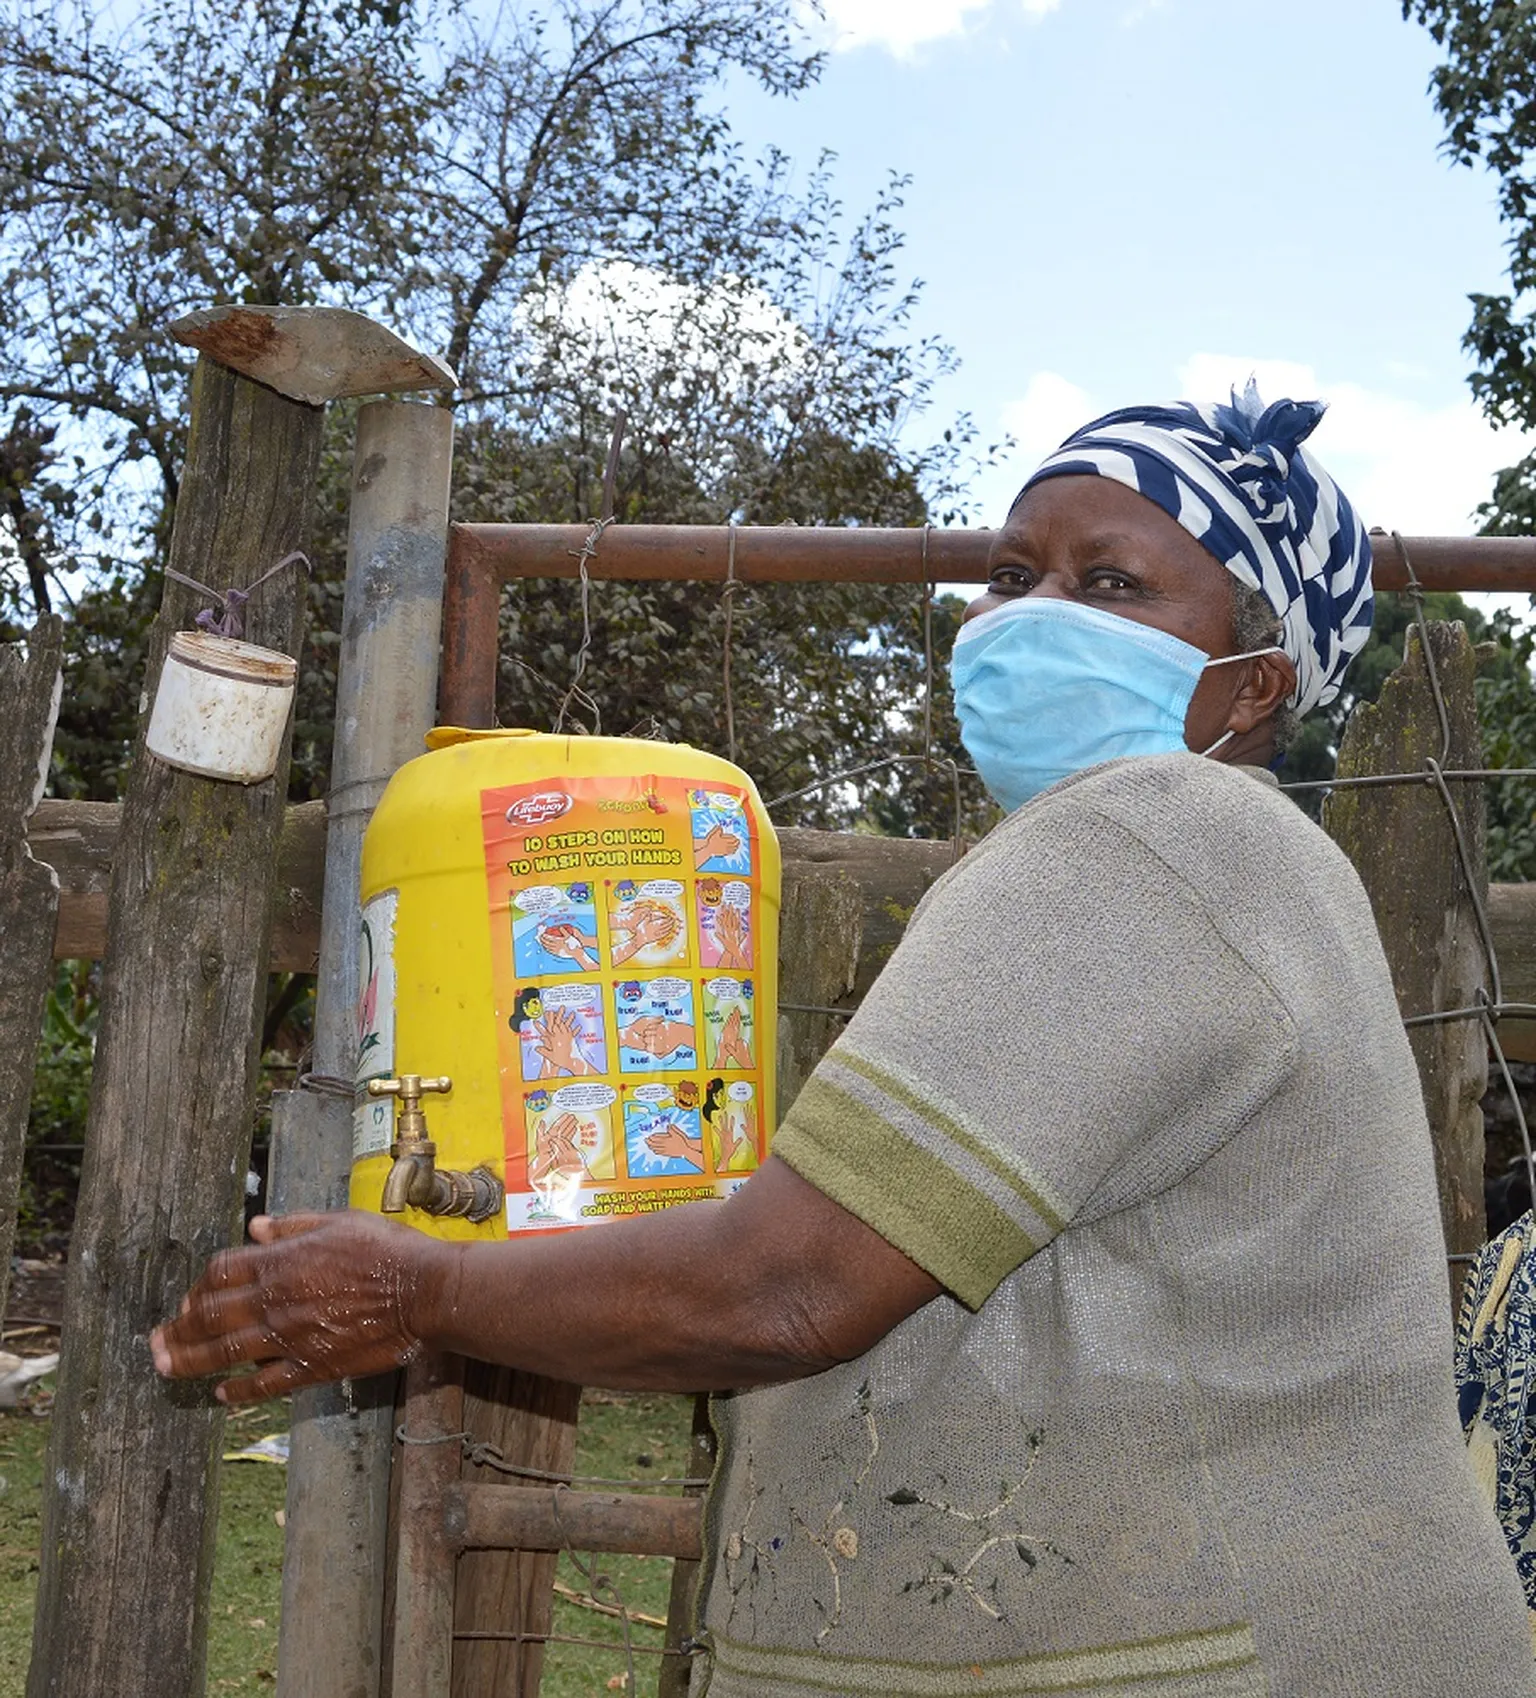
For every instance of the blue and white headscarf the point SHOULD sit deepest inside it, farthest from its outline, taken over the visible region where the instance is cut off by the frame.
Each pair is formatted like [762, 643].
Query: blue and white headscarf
[1238, 480]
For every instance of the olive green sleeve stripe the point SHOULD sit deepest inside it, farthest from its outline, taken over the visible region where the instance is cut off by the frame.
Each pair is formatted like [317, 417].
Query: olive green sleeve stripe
[899, 1091]
[909, 1197]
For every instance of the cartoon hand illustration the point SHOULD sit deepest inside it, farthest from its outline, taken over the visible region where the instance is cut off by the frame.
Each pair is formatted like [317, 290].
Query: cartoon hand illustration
[717, 843]
[672, 1142]
[674, 1034]
[651, 924]
[733, 938]
[555, 1150]
[638, 1034]
[559, 1044]
[567, 940]
[657, 923]
[656, 1036]
[731, 1132]
[732, 1049]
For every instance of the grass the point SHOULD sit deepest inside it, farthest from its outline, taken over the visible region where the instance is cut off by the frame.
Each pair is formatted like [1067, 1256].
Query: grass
[619, 1437]
[636, 1437]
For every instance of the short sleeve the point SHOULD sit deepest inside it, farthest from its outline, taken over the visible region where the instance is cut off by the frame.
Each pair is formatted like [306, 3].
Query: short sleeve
[1066, 1029]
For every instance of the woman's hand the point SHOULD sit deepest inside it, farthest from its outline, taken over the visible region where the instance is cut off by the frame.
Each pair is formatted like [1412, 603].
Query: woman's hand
[776, 1283]
[312, 1298]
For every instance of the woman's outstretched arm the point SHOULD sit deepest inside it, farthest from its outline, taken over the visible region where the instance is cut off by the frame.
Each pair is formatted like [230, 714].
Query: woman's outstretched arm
[776, 1283]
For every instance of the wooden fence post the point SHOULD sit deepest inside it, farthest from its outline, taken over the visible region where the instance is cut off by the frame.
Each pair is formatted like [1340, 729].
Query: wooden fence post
[29, 899]
[821, 930]
[131, 1501]
[1403, 844]
[386, 687]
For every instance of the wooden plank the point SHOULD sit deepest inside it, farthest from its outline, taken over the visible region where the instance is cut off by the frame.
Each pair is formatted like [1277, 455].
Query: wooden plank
[1403, 844]
[314, 354]
[544, 1518]
[1512, 919]
[29, 898]
[426, 1544]
[675, 1674]
[131, 1503]
[79, 838]
[892, 874]
[532, 1421]
[331, 1641]
[821, 924]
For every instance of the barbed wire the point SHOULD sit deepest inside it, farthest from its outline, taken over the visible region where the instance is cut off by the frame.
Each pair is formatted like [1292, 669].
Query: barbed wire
[483, 1454]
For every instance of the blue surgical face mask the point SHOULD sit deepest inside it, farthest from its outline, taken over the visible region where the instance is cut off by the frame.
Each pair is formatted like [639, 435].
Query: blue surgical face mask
[1044, 688]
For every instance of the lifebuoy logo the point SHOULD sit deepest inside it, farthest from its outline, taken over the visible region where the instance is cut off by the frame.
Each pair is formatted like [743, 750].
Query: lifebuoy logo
[539, 810]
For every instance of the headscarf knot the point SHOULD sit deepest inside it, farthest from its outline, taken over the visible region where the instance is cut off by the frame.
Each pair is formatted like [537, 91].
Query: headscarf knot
[1263, 474]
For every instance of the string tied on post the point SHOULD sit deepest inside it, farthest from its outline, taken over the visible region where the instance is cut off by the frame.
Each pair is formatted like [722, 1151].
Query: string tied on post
[728, 596]
[229, 621]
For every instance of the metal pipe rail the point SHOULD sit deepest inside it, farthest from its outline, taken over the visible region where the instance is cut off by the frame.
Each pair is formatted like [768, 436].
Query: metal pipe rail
[481, 558]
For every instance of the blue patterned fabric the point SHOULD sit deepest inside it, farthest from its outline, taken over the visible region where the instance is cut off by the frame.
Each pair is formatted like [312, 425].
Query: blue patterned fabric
[1238, 480]
[1496, 1385]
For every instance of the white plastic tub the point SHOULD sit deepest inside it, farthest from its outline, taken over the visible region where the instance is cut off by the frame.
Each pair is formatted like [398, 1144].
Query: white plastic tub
[222, 707]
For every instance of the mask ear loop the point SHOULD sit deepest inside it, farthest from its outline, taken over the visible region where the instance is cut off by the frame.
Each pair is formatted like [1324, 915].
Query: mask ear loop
[1226, 660]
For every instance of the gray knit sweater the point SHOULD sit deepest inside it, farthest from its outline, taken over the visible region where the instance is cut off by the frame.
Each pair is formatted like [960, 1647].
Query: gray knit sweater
[1134, 1088]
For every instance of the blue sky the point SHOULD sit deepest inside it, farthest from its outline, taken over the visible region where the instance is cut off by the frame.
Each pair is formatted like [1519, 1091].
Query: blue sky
[1119, 200]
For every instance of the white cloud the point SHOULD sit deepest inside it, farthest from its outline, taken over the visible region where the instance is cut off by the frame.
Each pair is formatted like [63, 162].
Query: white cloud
[633, 321]
[900, 26]
[1052, 408]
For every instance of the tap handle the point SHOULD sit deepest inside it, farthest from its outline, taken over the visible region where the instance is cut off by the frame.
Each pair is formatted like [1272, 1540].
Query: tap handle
[409, 1087]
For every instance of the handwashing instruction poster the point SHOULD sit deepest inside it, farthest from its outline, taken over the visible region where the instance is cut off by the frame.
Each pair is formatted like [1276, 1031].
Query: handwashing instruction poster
[624, 915]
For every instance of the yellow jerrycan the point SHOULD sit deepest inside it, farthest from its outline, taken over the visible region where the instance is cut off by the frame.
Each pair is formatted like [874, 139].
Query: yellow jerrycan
[568, 986]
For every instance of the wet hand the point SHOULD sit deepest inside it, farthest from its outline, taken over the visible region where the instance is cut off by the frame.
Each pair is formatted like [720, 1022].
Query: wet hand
[313, 1298]
[564, 939]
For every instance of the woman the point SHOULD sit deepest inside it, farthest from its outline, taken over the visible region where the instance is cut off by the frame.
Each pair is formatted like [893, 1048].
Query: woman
[1094, 1290]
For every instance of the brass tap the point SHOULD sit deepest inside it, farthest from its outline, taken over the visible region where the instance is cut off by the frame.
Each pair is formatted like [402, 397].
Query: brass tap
[415, 1179]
